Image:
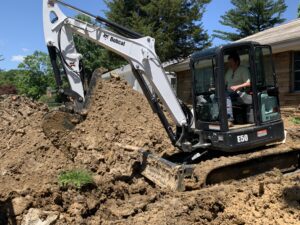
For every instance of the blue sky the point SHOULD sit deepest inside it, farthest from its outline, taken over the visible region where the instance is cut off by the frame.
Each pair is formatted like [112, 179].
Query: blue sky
[22, 29]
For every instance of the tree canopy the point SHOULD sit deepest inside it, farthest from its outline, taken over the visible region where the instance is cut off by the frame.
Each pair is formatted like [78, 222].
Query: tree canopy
[176, 25]
[36, 76]
[32, 77]
[249, 17]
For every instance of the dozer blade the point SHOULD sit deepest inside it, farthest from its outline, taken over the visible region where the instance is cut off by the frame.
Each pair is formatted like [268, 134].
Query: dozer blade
[164, 173]
[179, 177]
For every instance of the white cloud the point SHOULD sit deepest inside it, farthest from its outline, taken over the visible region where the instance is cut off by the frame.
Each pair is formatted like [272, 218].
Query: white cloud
[17, 58]
[25, 49]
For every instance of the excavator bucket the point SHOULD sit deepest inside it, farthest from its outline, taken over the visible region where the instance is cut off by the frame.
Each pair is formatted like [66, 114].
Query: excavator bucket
[57, 124]
[180, 177]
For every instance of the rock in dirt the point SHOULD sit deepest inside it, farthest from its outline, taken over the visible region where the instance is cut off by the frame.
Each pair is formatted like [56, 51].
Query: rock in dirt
[39, 217]
[20, 204]
[77, 209]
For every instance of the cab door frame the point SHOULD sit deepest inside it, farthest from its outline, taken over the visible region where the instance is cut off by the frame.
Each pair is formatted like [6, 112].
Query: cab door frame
[274, 89]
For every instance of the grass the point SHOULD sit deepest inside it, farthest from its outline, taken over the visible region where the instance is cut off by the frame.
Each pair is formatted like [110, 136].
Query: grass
[296, 120]
[77, 178]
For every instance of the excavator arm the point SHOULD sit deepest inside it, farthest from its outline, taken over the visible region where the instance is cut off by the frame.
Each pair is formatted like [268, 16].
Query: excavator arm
[137, 50]
[140, 53]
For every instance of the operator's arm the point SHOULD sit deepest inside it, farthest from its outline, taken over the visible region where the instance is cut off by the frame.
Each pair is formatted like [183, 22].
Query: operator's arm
[240, 86]
[245, 74]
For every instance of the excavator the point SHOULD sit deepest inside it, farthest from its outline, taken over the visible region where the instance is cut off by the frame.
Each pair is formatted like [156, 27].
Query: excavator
[211, 151]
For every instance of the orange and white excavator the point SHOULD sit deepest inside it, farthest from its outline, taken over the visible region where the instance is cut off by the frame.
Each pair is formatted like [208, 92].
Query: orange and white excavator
[202, 133]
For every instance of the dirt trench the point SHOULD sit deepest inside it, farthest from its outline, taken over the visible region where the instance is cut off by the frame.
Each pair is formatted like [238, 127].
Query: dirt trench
[118, 116]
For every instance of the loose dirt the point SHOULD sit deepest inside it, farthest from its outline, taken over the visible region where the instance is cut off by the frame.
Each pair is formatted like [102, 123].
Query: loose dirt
[119, 116]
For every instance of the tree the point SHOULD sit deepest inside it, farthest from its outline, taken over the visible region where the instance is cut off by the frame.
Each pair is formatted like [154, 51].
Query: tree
[8, 80]
[176, 25]
[95, 56]
[36, 75]
[299, 11]
[249, 17]
[9, 77]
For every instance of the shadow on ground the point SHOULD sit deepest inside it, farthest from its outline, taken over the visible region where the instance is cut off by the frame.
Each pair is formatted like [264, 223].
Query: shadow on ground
[292, 196]
[7, 215]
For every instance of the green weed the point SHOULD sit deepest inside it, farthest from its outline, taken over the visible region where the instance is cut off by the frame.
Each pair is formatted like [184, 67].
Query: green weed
[296, 120]
[77, 178]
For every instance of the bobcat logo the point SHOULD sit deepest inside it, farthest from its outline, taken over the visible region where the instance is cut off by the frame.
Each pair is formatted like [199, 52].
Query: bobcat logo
[105, 36]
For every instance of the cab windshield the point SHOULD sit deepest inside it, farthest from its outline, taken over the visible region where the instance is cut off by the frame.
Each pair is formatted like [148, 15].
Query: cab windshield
[204, 76]
[206, 103]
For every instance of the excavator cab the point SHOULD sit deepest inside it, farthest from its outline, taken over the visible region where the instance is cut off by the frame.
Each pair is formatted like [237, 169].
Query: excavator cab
[235, 121]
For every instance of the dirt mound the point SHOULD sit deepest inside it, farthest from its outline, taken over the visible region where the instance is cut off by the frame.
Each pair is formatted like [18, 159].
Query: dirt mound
[28, 158]
[292, 128]
[267, 199]
[119, 116]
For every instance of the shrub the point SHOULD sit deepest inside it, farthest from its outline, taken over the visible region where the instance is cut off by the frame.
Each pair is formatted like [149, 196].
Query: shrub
[296, 120]
[8, 90]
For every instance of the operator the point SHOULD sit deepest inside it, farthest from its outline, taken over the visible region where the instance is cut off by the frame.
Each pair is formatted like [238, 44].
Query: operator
[237, 77]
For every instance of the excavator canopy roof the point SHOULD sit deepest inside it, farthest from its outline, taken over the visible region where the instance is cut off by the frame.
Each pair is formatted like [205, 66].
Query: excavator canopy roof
[211, 52]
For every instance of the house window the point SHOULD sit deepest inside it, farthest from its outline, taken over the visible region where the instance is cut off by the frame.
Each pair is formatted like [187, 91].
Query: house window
[173, 83]
[296, 73]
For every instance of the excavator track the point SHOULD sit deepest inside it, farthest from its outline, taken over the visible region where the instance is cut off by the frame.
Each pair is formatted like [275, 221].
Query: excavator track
[180, 177]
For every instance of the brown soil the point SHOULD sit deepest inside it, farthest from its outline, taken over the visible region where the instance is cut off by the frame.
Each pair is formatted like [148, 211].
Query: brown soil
[30, 164]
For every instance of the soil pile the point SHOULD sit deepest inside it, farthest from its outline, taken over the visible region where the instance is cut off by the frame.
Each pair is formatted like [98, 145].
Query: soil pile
[119, 116]
[292, 127]
[28, 158]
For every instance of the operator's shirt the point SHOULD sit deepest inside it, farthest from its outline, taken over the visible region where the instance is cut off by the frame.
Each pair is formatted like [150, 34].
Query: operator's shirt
[240, 76]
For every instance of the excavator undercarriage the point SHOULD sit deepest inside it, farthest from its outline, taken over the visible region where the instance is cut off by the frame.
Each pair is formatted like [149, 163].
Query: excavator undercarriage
[217, 167]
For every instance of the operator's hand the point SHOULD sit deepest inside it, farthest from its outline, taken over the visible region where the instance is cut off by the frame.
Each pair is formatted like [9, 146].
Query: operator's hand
[235, 88]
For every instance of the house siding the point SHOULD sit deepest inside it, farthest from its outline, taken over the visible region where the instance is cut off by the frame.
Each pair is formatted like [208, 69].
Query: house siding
[184, 86]
[284, 69]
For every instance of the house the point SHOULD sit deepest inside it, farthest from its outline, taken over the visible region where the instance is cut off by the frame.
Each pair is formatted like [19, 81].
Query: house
[285, 42]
